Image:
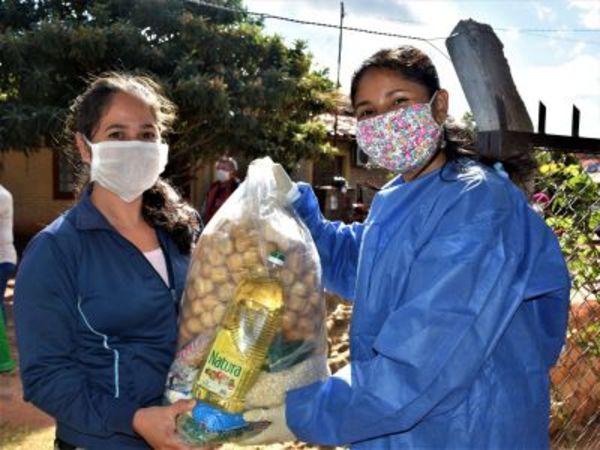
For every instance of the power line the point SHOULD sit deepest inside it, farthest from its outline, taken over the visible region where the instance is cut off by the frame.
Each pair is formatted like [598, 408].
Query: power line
[507, 30]
[322, 24]
[552, 30]
[428, 41]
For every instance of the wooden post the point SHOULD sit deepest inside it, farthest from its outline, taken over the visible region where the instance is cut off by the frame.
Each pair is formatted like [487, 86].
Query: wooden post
[484, 73]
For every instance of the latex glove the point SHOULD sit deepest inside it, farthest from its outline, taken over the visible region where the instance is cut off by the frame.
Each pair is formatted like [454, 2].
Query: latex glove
[288, 190]
[277, 431]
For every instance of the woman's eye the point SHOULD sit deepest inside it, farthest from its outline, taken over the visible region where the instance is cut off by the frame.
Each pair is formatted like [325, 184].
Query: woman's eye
[149, 136]
[115, 136]
[400, 101]
[365, 113]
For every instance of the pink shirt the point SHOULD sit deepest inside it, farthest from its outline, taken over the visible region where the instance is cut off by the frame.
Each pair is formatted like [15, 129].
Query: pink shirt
[157, 259]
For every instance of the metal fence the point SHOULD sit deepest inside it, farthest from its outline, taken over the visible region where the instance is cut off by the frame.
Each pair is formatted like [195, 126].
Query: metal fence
[570, 201]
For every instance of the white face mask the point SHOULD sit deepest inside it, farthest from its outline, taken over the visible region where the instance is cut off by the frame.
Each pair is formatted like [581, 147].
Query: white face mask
[127, 168]
[222, 175]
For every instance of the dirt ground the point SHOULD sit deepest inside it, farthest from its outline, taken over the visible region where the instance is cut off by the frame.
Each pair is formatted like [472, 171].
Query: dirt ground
[24, 427]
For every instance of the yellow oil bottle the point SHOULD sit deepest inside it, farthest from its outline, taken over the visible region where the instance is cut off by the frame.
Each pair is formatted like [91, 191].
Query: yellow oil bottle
[242, 341]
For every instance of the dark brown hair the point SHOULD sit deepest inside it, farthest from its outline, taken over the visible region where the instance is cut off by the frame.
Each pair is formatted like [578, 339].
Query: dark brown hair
[414, 65]
[162, 206]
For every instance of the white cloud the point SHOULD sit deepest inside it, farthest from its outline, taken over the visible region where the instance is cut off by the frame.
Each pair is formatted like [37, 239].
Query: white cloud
[576, 81]
[512, 34]
[589, 12]
[578, 48]
[544, 12]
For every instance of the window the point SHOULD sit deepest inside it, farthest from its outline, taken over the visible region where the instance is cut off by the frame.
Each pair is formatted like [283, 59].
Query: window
[361, 159]
[64, 176]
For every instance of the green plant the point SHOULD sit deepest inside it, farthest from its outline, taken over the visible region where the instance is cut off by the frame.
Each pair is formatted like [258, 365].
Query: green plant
[573, 213]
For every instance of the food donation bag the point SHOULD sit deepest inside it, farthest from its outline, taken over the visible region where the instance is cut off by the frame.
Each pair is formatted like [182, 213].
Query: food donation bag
[252, 322]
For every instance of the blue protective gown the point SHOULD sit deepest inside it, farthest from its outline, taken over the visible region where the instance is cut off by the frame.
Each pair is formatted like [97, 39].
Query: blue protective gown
[460, 309]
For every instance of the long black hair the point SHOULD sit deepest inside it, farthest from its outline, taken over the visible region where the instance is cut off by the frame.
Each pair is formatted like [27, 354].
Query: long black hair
[162, 206]
[414, 65]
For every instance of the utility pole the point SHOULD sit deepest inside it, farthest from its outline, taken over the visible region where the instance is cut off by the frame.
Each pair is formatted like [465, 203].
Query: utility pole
[339, 64]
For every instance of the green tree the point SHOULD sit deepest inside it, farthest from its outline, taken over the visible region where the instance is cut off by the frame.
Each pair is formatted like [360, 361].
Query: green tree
[237, 88]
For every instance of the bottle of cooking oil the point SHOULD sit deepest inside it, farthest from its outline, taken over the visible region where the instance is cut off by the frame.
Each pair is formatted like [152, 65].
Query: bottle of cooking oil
[242, 341]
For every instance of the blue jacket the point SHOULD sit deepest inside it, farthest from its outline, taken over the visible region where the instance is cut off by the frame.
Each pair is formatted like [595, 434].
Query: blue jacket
[96, 327]
[460, 309]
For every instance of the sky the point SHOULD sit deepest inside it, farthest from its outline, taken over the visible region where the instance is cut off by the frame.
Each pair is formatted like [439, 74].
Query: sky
[558, 68]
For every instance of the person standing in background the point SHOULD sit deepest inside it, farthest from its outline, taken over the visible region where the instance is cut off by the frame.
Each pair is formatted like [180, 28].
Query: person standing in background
[8, 254]
[225, 183]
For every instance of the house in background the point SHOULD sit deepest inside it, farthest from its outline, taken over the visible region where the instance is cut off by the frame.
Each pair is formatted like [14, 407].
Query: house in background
[41, 185]
[41, 182]
[350, 163]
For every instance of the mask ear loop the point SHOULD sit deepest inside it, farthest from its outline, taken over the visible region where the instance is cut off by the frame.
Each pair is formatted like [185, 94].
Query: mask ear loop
[442, 143]
[433, 97]
[87, 141]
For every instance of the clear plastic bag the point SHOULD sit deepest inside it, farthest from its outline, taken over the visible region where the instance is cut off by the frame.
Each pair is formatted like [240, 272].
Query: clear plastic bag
[235, 246]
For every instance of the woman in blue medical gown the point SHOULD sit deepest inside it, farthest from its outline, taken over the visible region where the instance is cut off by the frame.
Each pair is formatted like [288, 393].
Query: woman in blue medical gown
[460, 290]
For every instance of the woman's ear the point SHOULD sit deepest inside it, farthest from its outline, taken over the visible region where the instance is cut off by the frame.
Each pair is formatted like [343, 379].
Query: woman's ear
[440, 106]
[84, 149]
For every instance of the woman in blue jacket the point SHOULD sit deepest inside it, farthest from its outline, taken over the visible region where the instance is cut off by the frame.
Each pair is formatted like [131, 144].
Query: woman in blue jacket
[98, 290]
[460, 290]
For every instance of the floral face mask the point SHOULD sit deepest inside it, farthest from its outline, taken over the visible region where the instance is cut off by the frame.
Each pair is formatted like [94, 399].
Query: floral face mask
[403, 140]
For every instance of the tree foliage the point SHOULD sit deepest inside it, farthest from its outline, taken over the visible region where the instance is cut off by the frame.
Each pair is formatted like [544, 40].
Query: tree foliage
[237, 89]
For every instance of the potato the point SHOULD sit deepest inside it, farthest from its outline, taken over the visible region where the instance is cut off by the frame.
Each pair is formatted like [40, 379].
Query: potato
[239, 231]
[207, 320]
[242, 244]
[205, 270]
[287, 277]
[210, 301]
[202, 286]
[294, 262]
[194, 270]
[298, 288]
[216, 258]
[235, 262]
[219, 274]
[251, 257]
[225, 292]
[196, 308]
[297, 303]
[226, 246]
[194, 325]
[316, 299]
[237, 276]
[190, 293]
[310, 280]
[217, 313]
